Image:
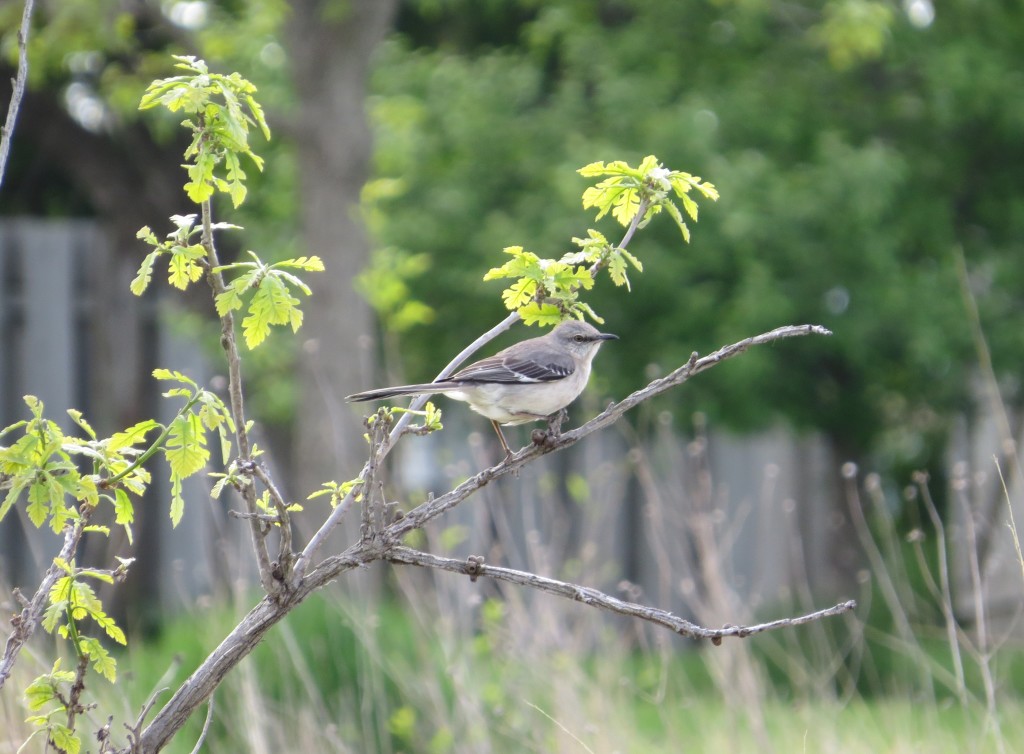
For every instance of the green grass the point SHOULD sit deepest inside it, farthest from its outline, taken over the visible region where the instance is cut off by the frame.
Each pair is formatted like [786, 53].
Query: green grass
[392, 675]
[396, 677]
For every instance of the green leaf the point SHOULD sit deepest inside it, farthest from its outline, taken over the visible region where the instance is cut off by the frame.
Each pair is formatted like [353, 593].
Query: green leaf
[64, 738]
[103, 663]
[519, 294]
[271, 304]
[617, 270]
[168, 374]
[522, 263]
[111, 628]
[124, 511]
[186, 450]
[309, 264]
[677, 216]
[540, 314]
[38, 499]
[141, 282]
[40, 693]
[183, 268]
[133, 435]
[177, 501]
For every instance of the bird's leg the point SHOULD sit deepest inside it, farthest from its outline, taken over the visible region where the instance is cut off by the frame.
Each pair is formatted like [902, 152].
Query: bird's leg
[501, 437]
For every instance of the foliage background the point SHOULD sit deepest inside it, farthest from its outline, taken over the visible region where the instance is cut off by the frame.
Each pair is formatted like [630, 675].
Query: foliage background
[860, 146]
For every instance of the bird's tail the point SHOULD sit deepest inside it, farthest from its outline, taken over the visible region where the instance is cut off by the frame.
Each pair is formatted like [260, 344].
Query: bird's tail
[384, 393]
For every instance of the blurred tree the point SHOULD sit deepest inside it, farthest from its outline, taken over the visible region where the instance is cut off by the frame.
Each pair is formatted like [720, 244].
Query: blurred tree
[80, 131]
[81, 147]
[856, 143]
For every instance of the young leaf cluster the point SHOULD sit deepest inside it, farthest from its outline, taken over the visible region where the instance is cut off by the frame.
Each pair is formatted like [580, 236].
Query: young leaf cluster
[597, 253]
[221, 110]
[546, 291]
[71, 601]
[625, 188]
[42, 462]
[271, 302]
[185, 446]
[186, 255]
[337, 492]
[52, 690]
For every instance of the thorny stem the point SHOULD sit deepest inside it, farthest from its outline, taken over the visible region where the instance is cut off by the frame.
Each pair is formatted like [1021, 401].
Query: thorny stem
[230, 346]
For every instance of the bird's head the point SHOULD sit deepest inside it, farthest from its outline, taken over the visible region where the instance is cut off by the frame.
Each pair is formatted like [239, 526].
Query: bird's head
[580, 337]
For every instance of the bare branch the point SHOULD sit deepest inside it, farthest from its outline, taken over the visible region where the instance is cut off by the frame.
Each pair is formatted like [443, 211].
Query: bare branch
[237, 645]
[474, 568]
[433, 508]
[18, 88]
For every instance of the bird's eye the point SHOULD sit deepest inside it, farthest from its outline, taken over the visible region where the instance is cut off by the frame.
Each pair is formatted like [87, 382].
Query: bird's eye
[578, 338]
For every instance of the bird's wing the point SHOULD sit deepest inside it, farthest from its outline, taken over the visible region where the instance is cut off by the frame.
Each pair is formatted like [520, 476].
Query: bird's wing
[515, 369]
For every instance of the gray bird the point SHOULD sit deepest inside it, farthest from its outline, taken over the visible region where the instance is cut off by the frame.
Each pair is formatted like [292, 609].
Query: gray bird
[526, 382]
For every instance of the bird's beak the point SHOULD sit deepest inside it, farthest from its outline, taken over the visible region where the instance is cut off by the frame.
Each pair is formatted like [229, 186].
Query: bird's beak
[606, 336]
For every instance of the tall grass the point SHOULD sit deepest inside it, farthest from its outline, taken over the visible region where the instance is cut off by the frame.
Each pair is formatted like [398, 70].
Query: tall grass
[431, 663]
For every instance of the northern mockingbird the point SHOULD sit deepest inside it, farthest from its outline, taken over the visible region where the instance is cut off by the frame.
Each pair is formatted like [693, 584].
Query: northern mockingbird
[523, 383]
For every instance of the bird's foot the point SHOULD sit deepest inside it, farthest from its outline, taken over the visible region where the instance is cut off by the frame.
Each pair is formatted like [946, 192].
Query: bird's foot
[553, 431]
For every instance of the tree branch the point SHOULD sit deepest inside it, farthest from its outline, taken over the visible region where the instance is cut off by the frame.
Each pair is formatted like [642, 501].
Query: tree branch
[434, 507]
[251, 630]
[474, 568]
[237, 645]
[18, 90]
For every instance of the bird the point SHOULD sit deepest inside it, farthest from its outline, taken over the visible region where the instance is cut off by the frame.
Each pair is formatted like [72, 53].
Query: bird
[528, 381]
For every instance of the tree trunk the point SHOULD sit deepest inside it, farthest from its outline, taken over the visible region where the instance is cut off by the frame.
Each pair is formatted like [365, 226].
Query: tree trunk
[330, 47]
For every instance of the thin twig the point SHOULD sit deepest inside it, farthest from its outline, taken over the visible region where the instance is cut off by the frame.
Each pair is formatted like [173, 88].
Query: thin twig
[206, 726]
[1009, 509]
[996, 405]
[230, 346]
[284, 520]
[74, 705]
[474, 568]
[18, 89]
